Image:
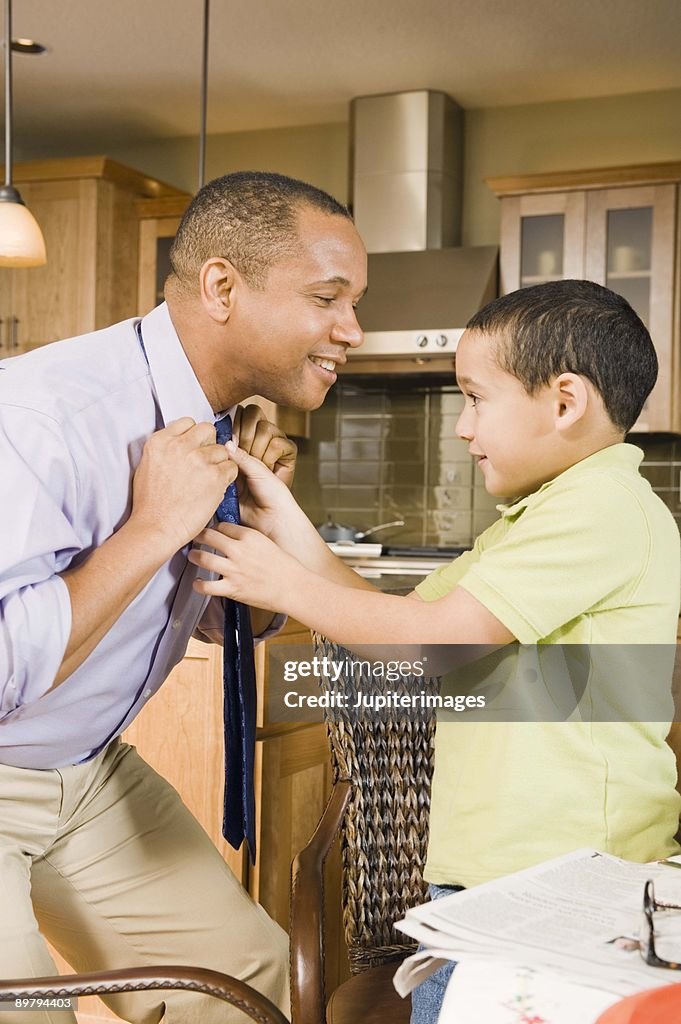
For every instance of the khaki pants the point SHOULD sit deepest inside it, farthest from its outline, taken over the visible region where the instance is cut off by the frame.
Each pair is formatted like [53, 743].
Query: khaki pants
[106, 861]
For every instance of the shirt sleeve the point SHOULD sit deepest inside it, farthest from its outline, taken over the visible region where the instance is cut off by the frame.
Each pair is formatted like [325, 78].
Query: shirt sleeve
[38, 497]
[210, 627]
[570, 552]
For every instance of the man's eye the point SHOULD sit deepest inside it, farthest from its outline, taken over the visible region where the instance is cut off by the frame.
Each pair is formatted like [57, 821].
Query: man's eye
[326, 299]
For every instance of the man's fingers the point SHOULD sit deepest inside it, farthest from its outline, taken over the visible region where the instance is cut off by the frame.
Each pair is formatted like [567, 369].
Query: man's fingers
[248, 418]
[280, 452]
[265, 433]
[180, 426]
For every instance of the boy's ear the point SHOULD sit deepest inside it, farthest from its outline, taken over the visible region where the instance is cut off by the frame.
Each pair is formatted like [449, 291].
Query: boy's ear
[570, 399]
[217, 279]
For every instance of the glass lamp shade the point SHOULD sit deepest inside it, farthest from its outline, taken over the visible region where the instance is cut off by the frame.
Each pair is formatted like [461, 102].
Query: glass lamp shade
[21, 240]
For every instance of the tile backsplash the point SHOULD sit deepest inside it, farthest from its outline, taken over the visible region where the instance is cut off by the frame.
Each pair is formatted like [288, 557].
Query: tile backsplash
[662, 467]
[384, 449]
[381, 450]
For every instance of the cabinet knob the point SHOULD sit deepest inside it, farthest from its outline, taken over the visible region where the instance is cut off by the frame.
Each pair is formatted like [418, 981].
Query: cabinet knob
[13, 332]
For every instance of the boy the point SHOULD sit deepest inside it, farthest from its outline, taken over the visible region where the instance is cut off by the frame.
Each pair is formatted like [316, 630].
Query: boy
[553, 376]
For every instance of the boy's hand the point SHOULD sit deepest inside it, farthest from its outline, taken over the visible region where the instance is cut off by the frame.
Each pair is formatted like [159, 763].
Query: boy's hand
[265, 502]
[265, 441]
[252, 568]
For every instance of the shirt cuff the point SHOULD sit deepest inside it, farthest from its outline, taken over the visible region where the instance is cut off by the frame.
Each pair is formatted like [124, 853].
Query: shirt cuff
[275, 626]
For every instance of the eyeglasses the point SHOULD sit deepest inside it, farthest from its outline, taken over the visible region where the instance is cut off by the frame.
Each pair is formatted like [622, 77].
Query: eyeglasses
[648, 933]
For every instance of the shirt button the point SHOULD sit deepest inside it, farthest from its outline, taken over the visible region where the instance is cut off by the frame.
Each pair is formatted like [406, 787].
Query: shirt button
[148, 693]
[176, 623]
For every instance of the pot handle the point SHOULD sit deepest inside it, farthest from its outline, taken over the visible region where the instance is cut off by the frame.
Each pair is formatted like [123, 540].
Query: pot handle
[375, 529]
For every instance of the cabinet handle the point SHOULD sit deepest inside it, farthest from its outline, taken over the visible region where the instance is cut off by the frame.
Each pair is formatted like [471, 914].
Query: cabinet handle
[14, 332]
[2, 320]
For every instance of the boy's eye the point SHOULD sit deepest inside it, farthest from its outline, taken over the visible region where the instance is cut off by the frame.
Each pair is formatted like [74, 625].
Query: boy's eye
[474, 399]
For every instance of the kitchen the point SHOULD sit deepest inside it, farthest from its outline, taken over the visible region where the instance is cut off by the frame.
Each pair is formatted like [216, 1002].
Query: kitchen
[382, 448]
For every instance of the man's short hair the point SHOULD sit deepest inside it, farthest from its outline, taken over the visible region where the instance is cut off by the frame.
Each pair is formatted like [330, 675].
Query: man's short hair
[249, 218]
[577, 327]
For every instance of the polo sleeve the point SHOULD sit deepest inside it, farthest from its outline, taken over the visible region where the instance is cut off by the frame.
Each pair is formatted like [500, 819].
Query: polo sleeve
[444, 579]
[38, 495]
[572, 551]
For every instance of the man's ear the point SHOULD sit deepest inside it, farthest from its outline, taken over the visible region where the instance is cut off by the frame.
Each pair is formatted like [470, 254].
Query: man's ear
[570, 395]
[217, 278]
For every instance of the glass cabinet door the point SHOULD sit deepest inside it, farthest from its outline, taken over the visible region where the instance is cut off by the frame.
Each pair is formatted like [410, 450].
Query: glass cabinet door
[630, 249]
[628, 257]
[156, 237]
[542, 239]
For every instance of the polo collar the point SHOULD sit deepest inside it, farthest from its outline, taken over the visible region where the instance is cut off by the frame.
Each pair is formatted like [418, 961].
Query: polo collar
[616, 456]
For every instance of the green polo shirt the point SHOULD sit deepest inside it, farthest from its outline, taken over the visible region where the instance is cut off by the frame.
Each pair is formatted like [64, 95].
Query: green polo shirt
[591, 558]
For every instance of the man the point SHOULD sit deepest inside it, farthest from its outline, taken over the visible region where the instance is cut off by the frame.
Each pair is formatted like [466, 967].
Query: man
[110, 468]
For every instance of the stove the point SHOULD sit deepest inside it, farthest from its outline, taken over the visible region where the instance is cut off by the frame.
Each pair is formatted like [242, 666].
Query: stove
[397, 568]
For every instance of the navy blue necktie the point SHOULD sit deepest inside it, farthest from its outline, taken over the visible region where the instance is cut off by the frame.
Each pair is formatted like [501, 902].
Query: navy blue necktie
[239, 696]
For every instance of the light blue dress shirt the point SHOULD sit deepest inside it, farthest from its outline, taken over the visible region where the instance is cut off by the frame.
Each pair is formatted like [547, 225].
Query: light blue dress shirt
[74, 418]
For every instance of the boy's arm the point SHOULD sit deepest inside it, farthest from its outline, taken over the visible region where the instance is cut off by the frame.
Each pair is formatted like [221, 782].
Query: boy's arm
[268, 506]
[347, 616]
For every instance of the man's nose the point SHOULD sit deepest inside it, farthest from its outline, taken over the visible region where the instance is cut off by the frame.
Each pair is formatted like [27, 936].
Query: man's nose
[347, 330]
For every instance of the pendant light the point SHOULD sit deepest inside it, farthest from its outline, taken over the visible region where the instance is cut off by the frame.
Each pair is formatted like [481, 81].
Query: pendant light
[21, 240]
[204, 94]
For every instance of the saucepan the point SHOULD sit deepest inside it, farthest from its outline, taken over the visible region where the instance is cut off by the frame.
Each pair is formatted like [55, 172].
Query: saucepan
[335, 533]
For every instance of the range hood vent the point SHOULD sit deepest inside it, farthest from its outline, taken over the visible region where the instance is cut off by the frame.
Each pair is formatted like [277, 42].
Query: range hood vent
[407, 175]
[407, 170]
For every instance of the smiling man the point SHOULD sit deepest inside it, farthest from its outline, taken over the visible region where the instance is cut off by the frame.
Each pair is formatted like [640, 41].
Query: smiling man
[274, 312]
[110, 468]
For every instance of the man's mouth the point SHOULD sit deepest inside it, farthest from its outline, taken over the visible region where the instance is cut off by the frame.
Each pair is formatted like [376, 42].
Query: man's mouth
[327, 365]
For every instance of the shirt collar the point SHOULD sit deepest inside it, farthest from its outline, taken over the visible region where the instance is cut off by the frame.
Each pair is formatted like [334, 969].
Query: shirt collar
[177, 389]
[616, 456]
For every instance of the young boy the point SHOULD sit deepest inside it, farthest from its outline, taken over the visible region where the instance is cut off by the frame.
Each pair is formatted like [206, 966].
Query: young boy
[553, 376]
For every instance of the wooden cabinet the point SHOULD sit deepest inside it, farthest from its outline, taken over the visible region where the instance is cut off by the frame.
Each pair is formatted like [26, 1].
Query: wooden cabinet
[86, 210]
[159, 220]
[617, 227]
[180, 734]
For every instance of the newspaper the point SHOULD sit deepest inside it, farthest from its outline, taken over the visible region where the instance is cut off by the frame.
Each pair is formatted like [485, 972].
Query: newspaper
[575, 918]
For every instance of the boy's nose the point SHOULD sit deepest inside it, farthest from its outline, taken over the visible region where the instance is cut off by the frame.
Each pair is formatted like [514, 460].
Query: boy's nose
[463, 426]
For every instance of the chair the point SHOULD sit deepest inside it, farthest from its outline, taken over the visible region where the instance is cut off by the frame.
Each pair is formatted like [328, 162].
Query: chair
[379, 807]
[138, 979]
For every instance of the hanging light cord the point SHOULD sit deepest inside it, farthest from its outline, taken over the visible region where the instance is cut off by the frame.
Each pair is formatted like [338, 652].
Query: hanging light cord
[8, 92]
[204, 94]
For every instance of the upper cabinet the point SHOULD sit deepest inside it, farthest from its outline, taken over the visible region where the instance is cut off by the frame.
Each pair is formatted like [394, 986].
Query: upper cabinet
[159, 220]
[86, 210]
[616, 226]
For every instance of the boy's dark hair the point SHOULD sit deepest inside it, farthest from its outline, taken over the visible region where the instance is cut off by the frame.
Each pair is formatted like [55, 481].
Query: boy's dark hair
[250, 218]
[577, 327]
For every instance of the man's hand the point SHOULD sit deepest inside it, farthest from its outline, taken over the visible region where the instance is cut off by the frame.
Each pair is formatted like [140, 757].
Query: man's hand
[265, 441]
[180, 481]
[252, 568]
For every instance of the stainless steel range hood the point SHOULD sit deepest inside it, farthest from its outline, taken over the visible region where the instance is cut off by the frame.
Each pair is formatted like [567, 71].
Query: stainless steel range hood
[407, 175]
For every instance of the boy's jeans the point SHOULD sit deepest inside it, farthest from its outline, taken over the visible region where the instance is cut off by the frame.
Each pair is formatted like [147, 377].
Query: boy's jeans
[426, 999]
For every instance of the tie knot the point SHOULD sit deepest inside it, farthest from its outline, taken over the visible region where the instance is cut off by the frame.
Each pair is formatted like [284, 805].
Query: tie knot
[223, 429]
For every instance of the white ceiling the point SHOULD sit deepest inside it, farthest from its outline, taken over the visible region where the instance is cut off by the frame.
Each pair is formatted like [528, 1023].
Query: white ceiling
[129, 69]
